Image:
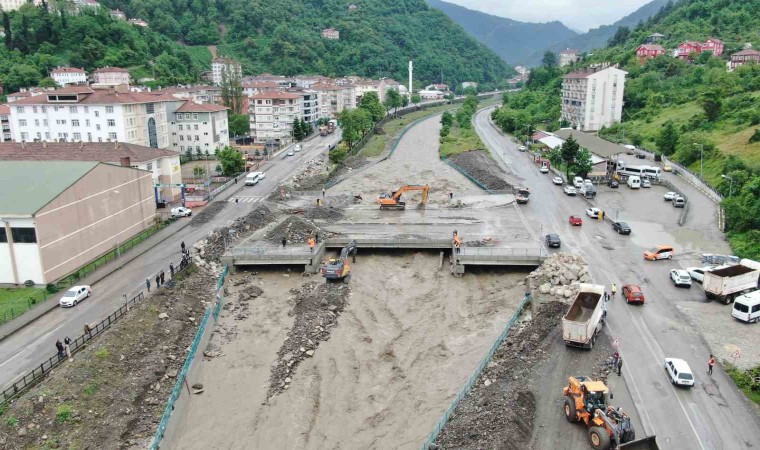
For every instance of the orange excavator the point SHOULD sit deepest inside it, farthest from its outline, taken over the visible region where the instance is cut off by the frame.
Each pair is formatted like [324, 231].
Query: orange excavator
[393, 201]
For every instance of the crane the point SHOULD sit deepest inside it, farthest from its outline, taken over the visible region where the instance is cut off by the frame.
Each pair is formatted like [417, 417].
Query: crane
[393, 201]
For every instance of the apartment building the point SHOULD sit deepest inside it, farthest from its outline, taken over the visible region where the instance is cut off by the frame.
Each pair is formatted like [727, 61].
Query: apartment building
[111, 76]
[12, 5]
[6, 135]
[201, 127]
[593, 98]
[221, 67]
[272, 115]
[68, 75]
[80, 113]
[569, 56]
[334, 99]
[310, 110]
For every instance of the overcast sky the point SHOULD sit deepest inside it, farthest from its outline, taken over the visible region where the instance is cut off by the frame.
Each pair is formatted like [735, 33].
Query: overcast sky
[576, 14]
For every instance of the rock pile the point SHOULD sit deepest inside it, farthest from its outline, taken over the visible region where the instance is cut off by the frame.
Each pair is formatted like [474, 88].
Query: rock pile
[317, 308]
[480, 166]
[325, 213]
[560, 276]
[349, 165]
[310, 177]
[296, 230]
[208, 213]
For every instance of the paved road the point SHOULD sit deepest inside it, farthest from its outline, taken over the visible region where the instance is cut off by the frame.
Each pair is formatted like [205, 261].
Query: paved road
[29, 346]
[712, 415]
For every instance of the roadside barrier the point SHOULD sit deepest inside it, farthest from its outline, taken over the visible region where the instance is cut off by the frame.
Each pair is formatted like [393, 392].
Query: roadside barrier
[474, 377]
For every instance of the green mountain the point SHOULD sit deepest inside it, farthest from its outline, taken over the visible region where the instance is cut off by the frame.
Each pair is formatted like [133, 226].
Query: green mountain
[377, 37]
[514, 41]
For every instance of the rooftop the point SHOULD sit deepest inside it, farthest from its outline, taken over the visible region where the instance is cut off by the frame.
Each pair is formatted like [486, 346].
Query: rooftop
[107, 152]
[197, 107]
[596, 145]
[68, 70]
[652, 47]
[110, 69]
[89, 96]
[274, 95]
[746, 52]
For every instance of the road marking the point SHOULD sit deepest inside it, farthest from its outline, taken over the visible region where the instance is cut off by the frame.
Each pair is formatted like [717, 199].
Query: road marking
[246, 199]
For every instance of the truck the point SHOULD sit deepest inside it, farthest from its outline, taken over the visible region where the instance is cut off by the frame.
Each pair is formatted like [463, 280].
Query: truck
[727, 283]
[522, 195]
[585, 318]
[588, 190]
[323, 130]
[331, 126]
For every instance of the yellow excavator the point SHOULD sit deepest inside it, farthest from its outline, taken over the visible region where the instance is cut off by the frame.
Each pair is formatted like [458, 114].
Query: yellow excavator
[393, 201]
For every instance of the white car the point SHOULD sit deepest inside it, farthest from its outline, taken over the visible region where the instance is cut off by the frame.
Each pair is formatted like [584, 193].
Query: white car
[297, 147]
[544, 169]
[290, 152]
[558, 181]
[75, 295]
[181, 211]
[646, 183]
[679, 372]
[668, 197]
[593, 212]
[569, 190]
[698, 273]
[680, 277]
[522, 148]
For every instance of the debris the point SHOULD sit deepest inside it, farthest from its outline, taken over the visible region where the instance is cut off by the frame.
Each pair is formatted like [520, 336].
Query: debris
[477, 164]
[296, 230]
[208, 213]
[163, 316]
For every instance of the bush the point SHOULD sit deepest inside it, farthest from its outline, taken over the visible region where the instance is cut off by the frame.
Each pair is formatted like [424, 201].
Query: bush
[338, 155]
[744, 380]
[63, 413]
[103, 353]
[12, 421]
[51, 288]
[755, 137]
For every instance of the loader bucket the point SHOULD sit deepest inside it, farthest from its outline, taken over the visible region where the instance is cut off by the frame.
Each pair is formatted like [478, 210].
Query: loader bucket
[647, 443]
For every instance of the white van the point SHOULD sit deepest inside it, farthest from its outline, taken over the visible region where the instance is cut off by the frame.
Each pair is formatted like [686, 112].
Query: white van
[252, 178]
[578, 182]
[634, 182]
[747, 307]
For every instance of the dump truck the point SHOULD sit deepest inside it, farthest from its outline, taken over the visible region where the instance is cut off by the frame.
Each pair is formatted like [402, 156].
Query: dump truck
[586, 401]
[585, 318]
[339, 268]
[727, 283]
[331, 126]
[522, 195]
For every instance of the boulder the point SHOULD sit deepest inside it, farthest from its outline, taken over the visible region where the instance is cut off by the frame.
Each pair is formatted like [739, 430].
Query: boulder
[544, 288]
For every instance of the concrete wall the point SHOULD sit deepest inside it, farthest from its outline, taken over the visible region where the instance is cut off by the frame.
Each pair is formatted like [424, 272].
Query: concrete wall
[27, 257]
[106, 207]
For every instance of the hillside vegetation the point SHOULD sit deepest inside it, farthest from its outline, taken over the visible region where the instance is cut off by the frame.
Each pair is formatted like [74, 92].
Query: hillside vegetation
[377, 38]
[671, 105]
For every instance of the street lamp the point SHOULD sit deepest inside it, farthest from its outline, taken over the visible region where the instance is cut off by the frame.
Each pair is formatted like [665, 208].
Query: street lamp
[701, 159]
[730, 184]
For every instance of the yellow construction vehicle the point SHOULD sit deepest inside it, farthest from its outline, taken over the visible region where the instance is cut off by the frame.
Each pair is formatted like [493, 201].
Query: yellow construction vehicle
[339, 268]
[393, 201]
[608, 427]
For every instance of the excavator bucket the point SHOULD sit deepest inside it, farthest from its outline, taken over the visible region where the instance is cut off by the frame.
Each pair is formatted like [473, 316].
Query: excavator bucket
[647, 443]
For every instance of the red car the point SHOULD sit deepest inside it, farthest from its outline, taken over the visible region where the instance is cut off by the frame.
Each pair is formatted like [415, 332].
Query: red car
[576, 221]
[633, 294]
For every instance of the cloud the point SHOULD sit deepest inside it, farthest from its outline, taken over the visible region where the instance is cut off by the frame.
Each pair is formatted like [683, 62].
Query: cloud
[578, 14]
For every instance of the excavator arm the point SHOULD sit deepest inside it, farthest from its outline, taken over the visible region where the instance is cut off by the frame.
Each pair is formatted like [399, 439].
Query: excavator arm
[394, 201]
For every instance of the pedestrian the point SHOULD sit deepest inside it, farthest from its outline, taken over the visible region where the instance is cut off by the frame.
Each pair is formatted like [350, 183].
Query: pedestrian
[158, 281]
[147, 283]
[236, 201]
[87, 329]
[171, 269]
[451, 195]
[235, 180]
[183, 246]
[59, 346]
[323, 192]
[162, 276]
[316, 238]
[619, 364]
[284, 241]
[710, 364]
[318, 202]
[615, 357]
[67, 346]
[614, 289]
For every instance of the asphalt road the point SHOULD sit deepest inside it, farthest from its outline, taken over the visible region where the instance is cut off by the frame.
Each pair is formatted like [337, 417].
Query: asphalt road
[712, 415]
[28, 347]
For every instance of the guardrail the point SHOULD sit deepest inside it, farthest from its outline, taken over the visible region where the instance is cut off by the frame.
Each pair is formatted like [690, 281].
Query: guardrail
[696, 181]
[474, 377]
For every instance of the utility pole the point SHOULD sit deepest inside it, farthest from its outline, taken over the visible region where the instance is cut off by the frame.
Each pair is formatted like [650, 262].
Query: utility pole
[701, 160]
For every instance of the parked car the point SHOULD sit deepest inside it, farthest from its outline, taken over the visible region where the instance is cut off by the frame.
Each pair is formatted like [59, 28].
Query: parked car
[297, 147]
[698, 273]
[679, 372]
[667, 168]
[544, 169]
[633, 294]
[659, 252]
[553, 241]
[578, 182]
[621, 228]
[75, 295]
[646, 183]
[181, 211]
[522, 148]
[669, 196]
[613, 184]
[290, 152]
[569, 190]
[679, 202]
[641, 155]
[680, 277]
[594, 213]
[558, 181]
[575, 221]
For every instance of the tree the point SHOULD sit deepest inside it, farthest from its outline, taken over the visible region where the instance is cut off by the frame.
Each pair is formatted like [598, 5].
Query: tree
[189, 154]
[549, 60]
[404, 101]
[297, 130]
[569, 153]
[239, 124]
[354, 123]
[620, 36]
[582, 164]
[416, 99]
[199, 172]
[232, 90]
[231, 160]
[667, 140]
[447, 119]
[7, 31]
[371, 102]
[392, 99]
[711, 103]
[47, 82]
[636, 139]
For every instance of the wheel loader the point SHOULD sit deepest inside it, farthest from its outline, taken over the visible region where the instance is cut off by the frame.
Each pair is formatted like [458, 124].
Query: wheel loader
[608, 427]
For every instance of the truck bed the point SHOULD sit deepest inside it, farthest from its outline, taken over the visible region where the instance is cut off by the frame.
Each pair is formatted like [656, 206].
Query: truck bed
[583, 307]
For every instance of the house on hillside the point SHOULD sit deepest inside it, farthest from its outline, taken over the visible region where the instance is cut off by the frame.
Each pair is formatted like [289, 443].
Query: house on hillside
[568, 56]
[713, 45]
[112, 76]
[593, 98]
[118, 15]
[331, 33]
[139, 22]
[746, 56]
[68, 75]
[654, 38]
[649, 51]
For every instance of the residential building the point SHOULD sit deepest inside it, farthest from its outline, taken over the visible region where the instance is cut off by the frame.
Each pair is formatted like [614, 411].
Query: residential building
[255, 87]
[649, 51]
[427, 94]
[713, 45]
[569, 56]
[139, 23]
[12, 5]
[331, 33]
[283, 82]
[76, 212]
[6, 135]
[437, 87]
[310, 110]
[746, 56]
[118, 15]
[26, 93]
[272, 115]
[80, 113]
[472, 84]
[81, 5]
[687, 48]
[654, 38]
[163, 164]
[334, 99]
[201, 127]
[68, 75]
[111, 76]
[593, 98]
[380, 87]
[225, 67]
[307, 81]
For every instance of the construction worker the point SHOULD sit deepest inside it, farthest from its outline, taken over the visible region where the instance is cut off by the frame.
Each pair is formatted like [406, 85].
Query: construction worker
[457, 241]
[311, 243]
[613, 289]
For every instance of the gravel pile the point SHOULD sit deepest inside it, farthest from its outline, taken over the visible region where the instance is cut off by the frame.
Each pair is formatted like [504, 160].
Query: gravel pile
[478, 165]
[349, 165]
[317, 307]
[310, 177]
[208, 213]
[296, 230]
[325, 213]
[560, 276]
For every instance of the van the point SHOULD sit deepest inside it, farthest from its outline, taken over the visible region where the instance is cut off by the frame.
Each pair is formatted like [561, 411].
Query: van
[747, 307]
[252, 178]
[679, 202]
[634, 182]
[578, 182]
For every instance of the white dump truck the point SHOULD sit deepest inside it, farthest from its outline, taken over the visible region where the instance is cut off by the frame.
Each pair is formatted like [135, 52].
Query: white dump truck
[585, 318]
[727, 283]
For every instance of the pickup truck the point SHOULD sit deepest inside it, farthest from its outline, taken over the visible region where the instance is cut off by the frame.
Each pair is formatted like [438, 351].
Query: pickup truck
[522, 195]
[727, 283]
[585, 318]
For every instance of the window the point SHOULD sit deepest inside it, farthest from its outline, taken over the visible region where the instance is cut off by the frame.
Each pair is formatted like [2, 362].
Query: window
[87, 122]
[86, 109]
[89, 137]
[197, 138]
[22, 122]
[43, 108]
[24, 137]
[19, 109]
[195, 116]
[45, 122]
[112, 136]
[77, 136]
[73, 109]
[149, 166]
[74, 122]
[100, 139]
[150, 108]
[109, 109]
[39, 136]
[97, 113]
[182, 148]
[3, 235]
[111, 123]
[36, 122]
[181, 137]
[179, 116]
[205, 134]
[195, 127]
[180, 128]
[97, 127]
[47, 136]
[34, 109]
[187, 116]
[24, 235]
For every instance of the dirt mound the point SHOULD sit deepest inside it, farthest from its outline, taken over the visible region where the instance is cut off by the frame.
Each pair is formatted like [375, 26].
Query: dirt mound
[499, 411]
[349, 165]
[310, 177]
[317, 308]
[211, 249]
[478, 165]
[111, 394]
[296, 230]
[208, 213]
[327, 213]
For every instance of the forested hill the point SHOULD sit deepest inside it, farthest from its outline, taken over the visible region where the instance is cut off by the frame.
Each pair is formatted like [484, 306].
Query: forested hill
[377, 37]
[514, 41]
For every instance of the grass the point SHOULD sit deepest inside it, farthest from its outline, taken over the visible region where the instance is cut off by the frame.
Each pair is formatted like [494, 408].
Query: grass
[63, 413]
[14, 302]
[90, 389]
[103, 353]
[459, 141]
[200, 54]
[744, 380]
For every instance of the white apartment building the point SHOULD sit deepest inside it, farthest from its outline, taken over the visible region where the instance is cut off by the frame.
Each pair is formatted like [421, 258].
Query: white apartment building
[307, 81]
[6, 135]
[200, 127]
[271, 116]
[593, 98]
[221, 65]
[12, 5]
[111, 76]
[68, 75]
[569, 56]
[80, 113]
[334, 99]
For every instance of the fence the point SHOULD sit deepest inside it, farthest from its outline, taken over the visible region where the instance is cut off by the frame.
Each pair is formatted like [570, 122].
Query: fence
[31, 300]
[474, 377]
[201, 339]
[696, 181]
[673, 188]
